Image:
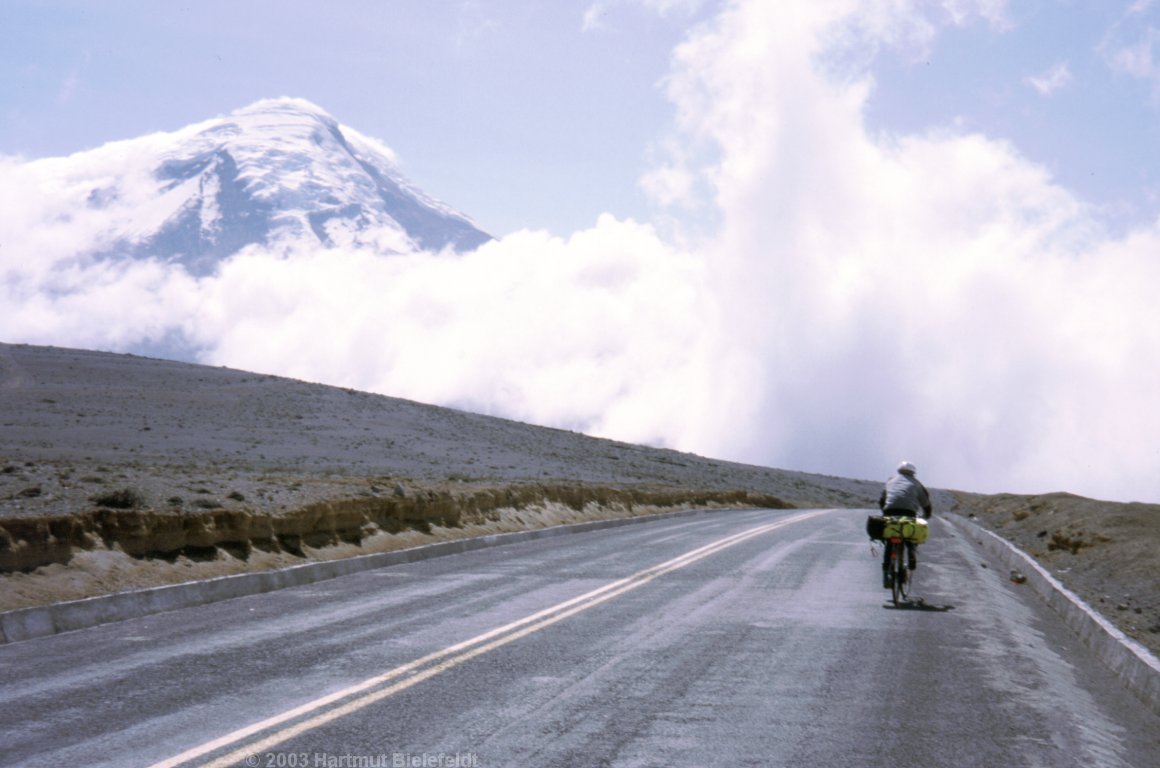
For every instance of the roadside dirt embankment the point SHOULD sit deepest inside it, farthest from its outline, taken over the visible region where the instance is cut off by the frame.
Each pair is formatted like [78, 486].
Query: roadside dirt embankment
[32, 542]
[1105, 552]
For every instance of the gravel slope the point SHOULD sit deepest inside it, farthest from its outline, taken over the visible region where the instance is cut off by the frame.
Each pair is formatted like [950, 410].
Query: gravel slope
[206, 449]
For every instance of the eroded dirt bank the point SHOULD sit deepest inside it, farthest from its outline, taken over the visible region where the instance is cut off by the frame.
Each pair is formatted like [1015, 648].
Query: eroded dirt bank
[77, 556]
[127, 525]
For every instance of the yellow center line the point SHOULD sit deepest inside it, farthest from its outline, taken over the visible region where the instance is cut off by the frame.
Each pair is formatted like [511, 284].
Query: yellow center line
[435, 663]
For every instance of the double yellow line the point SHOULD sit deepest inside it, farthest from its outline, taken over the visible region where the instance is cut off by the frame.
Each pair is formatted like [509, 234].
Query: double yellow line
[326, 709]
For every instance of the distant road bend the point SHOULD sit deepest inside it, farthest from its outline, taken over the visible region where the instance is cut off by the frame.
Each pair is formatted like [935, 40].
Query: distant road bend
[745, 637]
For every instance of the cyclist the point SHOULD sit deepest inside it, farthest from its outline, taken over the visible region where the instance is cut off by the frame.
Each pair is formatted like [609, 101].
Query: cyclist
[904, 496]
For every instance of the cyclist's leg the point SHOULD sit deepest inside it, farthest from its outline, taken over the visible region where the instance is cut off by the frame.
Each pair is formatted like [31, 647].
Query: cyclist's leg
[912, 555]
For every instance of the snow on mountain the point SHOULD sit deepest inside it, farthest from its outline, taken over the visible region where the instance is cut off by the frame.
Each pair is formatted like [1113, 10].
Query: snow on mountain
[278, 170]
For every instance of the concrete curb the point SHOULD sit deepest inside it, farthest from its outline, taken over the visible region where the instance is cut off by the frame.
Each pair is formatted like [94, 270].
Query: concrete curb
[44, 620]
[1132, 663]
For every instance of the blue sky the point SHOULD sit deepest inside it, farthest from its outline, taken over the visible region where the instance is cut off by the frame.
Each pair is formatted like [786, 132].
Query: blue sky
[815, 234]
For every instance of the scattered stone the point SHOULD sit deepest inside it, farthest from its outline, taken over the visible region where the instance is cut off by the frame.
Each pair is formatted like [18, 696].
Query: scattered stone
[30, 493]
[1018, 577]
[125, 498]
[1067, 542]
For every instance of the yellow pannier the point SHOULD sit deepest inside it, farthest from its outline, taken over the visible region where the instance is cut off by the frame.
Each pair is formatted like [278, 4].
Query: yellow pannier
[910, 529]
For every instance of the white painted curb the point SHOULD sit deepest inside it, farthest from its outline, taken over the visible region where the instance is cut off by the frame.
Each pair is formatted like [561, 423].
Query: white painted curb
[41, 621]
[1132, 663]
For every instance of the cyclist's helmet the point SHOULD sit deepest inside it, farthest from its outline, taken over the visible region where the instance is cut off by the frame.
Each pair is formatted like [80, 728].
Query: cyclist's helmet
[907, 468]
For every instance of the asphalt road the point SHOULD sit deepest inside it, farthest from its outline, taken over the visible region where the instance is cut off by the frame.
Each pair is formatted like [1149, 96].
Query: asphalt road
[745, 638]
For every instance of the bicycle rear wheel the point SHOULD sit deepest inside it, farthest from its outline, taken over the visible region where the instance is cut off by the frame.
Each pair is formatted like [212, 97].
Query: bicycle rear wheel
[899, 578]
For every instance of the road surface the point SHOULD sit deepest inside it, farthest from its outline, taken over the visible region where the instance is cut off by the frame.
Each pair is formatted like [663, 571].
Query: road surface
[729, 638]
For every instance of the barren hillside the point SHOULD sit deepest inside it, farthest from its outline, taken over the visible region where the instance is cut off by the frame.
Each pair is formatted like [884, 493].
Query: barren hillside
[119, 471]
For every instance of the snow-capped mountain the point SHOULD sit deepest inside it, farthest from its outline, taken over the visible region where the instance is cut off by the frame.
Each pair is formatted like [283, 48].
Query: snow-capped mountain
[278, 170]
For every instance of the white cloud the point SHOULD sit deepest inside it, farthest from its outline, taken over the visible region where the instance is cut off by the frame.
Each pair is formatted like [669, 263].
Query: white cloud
[599, 332]
[670, 182]
[595, 13]
[473, 23]
[68, 89]
[1130, 46]
[1138, 58]
[932, 296]
[857, 29]
[604, 331]
[1051, 80]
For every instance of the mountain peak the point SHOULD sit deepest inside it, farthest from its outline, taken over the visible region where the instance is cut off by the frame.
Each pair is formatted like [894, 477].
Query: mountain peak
[286, 105]
[286, 114]
[277, 170]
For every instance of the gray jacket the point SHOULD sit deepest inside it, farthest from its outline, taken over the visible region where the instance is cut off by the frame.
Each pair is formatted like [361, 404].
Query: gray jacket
[904, 493]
